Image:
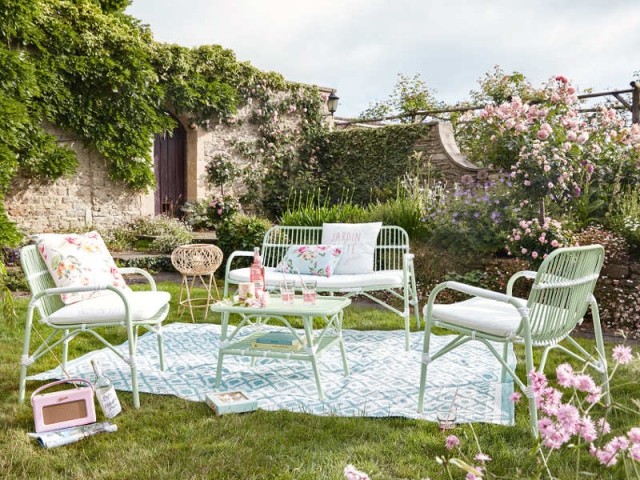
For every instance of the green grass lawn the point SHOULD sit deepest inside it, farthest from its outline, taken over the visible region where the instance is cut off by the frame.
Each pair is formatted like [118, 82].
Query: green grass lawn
[173, 438]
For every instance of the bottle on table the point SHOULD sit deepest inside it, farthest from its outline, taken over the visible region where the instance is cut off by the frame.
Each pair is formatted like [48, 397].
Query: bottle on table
[256, 273]
[106, 393]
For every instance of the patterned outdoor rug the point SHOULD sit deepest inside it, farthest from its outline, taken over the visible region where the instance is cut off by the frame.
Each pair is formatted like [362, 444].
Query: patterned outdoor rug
[383, 382]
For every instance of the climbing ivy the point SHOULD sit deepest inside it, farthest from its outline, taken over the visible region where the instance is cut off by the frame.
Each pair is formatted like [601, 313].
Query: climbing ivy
[85, 66]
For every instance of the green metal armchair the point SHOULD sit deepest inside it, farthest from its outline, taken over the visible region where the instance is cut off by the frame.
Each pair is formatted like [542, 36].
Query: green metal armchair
[562, 292]
[129, 310]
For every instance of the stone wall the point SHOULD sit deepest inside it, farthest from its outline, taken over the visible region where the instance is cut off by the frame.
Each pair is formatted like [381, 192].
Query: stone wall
[88, 199]
[440, 148]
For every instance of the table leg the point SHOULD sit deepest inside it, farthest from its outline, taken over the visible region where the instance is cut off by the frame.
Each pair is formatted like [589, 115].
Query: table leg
[223, 337]
[343, 351]
[308, 330]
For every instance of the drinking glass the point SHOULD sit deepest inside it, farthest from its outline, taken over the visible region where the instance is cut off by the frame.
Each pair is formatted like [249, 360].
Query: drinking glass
[287, 292]
[309, 292]
[446, 414]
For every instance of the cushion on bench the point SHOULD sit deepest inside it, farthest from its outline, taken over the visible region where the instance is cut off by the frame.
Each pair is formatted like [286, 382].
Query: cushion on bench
[383, 278]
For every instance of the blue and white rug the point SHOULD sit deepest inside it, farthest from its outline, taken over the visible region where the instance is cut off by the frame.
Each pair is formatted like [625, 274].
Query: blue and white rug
[383, 382]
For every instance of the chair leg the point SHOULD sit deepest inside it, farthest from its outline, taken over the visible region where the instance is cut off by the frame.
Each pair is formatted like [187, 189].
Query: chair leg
[425, 364]
[597, 330]
[533, 411]
[160, 346]
[24, 359]
[131, 334]
[505, 357]
[65, 349]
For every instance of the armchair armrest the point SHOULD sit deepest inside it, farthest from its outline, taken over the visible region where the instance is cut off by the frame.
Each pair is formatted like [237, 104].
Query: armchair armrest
[522, 274]
[139, 271]
[476, 292]
[237, 253]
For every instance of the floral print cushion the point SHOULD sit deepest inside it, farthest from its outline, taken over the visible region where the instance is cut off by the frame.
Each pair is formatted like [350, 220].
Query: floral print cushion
[318, 260]
[76, 260]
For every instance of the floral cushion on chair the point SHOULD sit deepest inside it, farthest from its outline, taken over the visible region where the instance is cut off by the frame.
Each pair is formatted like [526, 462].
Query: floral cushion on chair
[320, 260]
[76, 260]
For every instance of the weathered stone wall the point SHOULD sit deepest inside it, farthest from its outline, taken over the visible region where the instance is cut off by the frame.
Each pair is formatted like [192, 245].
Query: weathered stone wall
[439, 147]
[88, 199]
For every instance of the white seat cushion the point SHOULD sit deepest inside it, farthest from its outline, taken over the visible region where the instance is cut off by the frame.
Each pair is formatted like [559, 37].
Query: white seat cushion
[480, 314]
[110, 308]
[384, 278]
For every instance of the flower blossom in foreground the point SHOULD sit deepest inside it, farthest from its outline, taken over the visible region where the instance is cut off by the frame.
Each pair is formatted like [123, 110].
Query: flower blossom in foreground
[352, 473]
[452, 441]
[622, 354]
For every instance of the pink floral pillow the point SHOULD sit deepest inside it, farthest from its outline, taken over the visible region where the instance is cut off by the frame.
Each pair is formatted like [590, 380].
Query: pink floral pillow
[320, 260]
[76, 260]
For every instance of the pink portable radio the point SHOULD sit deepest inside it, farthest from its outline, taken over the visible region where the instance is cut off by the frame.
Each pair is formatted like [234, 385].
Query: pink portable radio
[64, 408]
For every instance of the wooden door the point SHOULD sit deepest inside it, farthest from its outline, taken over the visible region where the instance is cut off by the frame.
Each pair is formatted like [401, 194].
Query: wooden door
[169, 159]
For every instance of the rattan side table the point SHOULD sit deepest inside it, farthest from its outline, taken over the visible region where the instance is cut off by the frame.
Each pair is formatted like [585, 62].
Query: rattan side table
[196, 261]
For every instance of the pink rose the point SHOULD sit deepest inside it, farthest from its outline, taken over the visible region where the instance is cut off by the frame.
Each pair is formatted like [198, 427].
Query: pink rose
[534, 255]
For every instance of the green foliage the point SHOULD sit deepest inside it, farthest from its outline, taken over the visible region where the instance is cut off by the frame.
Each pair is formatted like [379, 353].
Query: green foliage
[311, 210]
[165, 234]
[221, 170]
[625, 219]
[242, 232]
[410, 96]
[285, 158]
[473, 219]
[368, 162]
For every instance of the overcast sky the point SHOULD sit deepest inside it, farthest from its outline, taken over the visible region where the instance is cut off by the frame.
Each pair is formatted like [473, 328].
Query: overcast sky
[360, 46]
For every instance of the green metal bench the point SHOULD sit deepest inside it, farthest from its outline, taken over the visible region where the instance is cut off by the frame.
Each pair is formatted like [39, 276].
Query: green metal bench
[393, 269]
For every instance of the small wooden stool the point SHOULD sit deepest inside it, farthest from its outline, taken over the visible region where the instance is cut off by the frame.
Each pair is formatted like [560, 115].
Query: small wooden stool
[196, 261]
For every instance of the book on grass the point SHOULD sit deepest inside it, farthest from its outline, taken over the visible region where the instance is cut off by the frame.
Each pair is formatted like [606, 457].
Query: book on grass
[285, 341]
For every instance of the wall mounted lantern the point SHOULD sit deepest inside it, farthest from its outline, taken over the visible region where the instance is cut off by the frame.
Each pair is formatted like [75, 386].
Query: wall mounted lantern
[332, 103]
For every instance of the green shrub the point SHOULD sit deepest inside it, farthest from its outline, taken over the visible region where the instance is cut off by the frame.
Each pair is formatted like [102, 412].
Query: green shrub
[313, 211]
[163, 234]
[243, 232]
[626, 219]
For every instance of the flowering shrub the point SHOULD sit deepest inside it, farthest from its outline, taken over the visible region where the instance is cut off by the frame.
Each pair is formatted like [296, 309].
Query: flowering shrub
[618, 299]
[566, 427]
[573, 421]
[534, 241]
[221, 170]
[207, 214]
[474, 218]
[553, 151]
[222, 208]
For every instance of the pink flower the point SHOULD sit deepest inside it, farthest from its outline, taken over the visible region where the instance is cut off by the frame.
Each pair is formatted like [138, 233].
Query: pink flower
[582, 138]
[550, 185]
[565, 375]
[562, 79]
[607, 456]
[635, 452]
[516, 396]
[481, 457]
[622, 354]
[585, 383]
[452, 441]
[554, 243]
[543, 134]
[524, 251]
[634, 435]
[534, 255]
[352, 473]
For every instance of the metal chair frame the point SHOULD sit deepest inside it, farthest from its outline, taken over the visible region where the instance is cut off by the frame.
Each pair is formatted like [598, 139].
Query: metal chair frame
[561, 294]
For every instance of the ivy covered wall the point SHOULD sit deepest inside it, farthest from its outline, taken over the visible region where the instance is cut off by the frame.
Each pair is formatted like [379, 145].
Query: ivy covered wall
[368, 163]
[88, 69]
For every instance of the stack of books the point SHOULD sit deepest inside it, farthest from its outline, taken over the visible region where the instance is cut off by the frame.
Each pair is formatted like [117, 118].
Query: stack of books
[284, 341]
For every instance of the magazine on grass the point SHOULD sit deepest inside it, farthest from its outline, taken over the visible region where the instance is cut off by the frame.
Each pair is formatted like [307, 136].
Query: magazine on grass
[64, 436]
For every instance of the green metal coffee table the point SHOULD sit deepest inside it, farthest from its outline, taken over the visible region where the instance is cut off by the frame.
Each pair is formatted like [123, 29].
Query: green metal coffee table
[253, 320]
